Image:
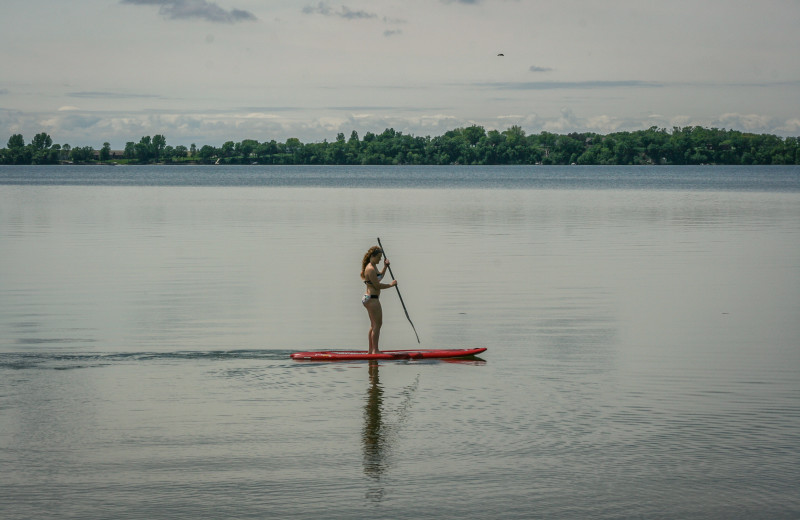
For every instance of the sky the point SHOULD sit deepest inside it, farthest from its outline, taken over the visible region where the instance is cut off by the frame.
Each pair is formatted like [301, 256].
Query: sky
[210, 71]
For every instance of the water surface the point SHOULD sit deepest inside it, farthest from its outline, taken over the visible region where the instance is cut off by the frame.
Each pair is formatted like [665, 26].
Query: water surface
[642, 330]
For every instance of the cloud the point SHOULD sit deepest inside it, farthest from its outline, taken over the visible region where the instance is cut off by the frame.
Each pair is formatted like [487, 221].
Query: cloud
[201, 9]
[562, 85]
[789, 127]
[109, 95]
[355, 15]
[345, 12]
[535, 68]
[322, 8]
[605, 123]
[746, 122]
[567, 121]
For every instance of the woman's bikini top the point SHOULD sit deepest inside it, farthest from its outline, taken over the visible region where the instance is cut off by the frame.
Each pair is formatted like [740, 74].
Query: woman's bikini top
[369, 282]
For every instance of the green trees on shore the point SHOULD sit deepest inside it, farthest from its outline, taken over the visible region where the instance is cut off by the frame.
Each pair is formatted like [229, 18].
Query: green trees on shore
[472, 145]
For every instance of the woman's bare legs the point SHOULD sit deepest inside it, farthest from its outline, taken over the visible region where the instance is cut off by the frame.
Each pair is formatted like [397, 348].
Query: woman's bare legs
[376, 321]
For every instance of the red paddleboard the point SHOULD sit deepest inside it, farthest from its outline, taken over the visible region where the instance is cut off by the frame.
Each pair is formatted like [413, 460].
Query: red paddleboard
[344, 355]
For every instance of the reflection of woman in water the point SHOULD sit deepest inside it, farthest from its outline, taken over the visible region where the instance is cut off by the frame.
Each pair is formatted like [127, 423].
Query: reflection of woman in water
[372, 279]
[373, 426]
[380, 430]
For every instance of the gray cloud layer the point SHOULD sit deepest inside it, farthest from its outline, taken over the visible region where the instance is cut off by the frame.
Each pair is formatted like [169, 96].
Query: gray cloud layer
[559, 85]
[345, 12]
[199, 9]
[109, 95]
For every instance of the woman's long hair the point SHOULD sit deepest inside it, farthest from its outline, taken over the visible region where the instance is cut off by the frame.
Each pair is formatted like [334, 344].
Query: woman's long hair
[372, 252]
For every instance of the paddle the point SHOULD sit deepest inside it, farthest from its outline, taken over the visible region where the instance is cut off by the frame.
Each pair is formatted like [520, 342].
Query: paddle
[398, 292]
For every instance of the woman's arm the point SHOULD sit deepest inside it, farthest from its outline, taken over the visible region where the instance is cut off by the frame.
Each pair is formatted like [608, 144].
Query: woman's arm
[383, 272]
[372, 276]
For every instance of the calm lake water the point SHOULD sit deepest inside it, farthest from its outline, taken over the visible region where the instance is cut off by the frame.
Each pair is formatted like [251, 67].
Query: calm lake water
[642, 330]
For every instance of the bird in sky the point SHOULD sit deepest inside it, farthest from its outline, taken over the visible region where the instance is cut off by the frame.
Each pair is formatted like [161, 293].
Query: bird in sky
[501, 54]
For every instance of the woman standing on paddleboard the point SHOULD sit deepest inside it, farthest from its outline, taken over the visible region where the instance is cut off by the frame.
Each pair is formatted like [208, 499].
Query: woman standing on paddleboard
[372, 279]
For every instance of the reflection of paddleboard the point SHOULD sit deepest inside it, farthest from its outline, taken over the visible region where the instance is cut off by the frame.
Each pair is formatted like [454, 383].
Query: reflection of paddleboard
[342, 355]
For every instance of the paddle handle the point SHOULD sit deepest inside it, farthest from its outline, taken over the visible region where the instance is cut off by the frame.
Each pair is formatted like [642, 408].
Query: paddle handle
[398, 292]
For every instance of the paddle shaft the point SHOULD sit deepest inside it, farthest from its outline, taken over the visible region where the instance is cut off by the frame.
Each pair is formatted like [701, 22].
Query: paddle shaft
[398, 292]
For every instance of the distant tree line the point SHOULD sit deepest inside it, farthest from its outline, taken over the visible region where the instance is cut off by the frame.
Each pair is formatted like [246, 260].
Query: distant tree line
[463, 146]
